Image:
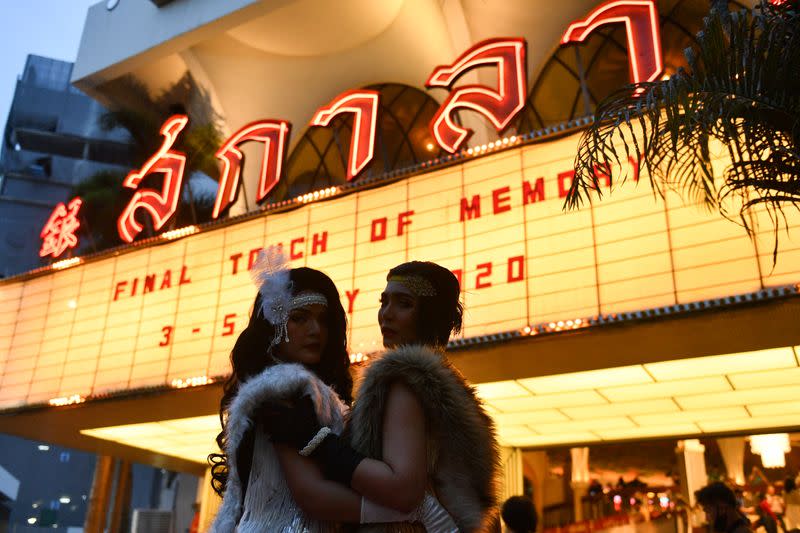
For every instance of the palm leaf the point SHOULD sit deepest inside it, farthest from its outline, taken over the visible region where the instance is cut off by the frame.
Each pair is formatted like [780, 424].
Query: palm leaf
[742, 89]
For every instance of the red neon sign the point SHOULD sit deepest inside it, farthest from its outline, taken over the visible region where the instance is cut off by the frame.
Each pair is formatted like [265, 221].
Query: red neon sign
[499, 106]
[364, 104]
[58, 233]
[642, 29]
[274, 134]
[160, 205]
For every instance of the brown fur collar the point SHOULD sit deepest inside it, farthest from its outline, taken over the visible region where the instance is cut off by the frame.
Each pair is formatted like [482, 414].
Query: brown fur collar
[463, 457]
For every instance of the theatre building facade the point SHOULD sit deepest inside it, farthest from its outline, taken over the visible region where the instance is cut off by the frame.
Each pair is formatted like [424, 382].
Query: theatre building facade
[359, 135]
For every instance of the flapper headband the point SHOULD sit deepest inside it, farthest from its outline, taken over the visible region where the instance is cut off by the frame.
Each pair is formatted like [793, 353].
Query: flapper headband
[418, 285]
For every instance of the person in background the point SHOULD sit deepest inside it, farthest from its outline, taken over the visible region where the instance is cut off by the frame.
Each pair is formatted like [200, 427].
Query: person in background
[776, 505]
[791, 498]
[519, 515]
[766, 518]
[722, 510]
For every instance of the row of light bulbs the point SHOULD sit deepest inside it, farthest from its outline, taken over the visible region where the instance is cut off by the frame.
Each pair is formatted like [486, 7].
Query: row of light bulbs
[313, 196]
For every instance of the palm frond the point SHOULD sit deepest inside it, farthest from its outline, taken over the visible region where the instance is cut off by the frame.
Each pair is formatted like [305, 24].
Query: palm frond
[741, 91]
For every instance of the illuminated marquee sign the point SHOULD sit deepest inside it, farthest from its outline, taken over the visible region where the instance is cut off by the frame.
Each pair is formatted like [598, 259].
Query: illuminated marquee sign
[364, 107]
[275, 135]
[641, 27]
[498, 104]
[160, 205]
[169, 313]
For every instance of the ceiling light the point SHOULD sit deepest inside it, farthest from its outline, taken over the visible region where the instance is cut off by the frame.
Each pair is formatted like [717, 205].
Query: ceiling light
[697, 415]
[188, 438]
[578, 426]
[770, 409]
[501, 389]
[723, 364]
[666, 389]
[760, 423]
[592, 379]
[549, 401]
[543, 416]
[549, 440]
[738, 397]
[772, 448]
[644, 407]
[767, 379]
[644, 432]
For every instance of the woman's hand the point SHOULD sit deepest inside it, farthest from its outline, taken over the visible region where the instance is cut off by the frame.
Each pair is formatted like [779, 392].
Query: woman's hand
[293, 425]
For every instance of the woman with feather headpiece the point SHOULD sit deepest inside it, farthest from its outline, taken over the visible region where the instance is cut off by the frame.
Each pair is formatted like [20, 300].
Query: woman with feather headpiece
[292, 352]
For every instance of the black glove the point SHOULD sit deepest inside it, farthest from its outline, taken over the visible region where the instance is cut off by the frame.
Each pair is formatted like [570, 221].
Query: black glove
[294, 425]
[337, 459]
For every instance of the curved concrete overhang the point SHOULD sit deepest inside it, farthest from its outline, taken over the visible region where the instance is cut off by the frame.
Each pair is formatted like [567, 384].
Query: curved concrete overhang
[285, 58]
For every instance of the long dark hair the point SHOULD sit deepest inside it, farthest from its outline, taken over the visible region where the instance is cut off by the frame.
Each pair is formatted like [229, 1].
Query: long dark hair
[438, 315]
[250, 357]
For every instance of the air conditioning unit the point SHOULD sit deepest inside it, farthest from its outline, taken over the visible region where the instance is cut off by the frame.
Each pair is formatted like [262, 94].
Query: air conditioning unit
[151, 521]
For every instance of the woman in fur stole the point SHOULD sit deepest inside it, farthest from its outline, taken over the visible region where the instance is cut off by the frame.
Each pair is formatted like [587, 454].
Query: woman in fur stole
[416, 424]
[293, 350]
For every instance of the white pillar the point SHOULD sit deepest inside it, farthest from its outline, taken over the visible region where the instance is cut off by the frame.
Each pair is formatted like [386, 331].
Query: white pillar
[732, 450]
[538, 463]
[692, 465]
[511, 460]
[579, 482]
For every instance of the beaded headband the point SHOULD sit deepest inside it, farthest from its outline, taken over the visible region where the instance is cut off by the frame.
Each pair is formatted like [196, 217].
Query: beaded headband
[308, 298]
[418, 285]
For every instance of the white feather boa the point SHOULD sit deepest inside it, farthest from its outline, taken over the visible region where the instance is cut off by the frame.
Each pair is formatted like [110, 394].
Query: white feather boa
[269, 505]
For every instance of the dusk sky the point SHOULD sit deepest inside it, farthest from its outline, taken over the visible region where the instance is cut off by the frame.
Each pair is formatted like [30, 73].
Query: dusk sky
[50, 28]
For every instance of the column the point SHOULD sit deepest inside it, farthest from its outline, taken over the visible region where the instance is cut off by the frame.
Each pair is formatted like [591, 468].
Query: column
[511, 461]
[97, 506]
[732, 450]
[538, 464]
[122, 497]
[579, 481]
[692, 466]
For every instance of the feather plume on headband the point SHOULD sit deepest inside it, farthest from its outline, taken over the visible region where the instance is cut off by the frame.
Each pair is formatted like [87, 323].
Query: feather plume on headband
[270, 273]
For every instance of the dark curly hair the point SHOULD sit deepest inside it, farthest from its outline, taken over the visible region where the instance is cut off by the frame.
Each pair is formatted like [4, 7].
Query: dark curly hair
[250, 356]
[439, 315]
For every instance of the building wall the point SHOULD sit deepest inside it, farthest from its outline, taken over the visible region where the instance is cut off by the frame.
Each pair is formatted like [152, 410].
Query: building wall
[43, 154]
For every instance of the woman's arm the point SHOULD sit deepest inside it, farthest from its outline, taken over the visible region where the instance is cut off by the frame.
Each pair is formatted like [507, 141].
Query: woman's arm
[319, 498]
[399, 480]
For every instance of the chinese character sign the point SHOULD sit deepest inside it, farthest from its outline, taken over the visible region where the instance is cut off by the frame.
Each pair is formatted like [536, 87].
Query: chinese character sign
[59, 232]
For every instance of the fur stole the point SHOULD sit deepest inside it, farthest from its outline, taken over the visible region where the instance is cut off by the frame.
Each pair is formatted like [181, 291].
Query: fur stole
[463, 456]
[268, 503]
